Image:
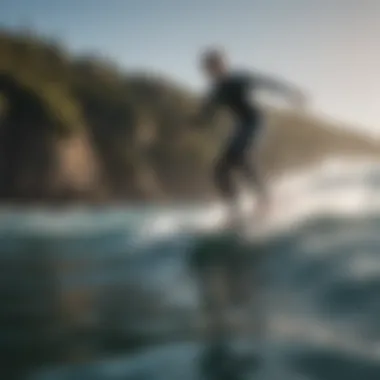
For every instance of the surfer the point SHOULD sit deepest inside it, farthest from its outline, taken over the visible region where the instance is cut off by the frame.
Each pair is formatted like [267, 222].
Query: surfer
[233, 90]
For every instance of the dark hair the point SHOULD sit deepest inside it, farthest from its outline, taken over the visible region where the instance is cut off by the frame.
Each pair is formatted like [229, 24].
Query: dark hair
[211, 57]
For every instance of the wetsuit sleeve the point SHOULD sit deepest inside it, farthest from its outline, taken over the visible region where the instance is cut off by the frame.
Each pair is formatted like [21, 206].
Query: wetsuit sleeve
[275, 85]
[246, 79]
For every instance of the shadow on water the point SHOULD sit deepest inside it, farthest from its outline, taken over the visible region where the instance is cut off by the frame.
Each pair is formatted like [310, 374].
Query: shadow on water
[228, 271]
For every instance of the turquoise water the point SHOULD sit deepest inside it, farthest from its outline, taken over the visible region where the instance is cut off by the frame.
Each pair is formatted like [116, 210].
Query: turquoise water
[319, 268]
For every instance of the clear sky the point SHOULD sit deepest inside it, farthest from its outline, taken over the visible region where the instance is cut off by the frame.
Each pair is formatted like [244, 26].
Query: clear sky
[330, 47]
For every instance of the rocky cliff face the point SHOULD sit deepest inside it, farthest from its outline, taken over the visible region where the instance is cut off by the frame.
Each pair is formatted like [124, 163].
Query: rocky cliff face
[78, 174]
[82, 130]
[36, 164]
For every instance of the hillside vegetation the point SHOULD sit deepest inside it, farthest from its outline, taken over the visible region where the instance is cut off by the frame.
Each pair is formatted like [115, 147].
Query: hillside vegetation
[79, 128]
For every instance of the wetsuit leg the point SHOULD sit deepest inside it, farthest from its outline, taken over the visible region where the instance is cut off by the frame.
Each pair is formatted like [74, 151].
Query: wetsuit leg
[236, 157]
[224, 177]
[232, 158]
[248, 165]
[252, 173]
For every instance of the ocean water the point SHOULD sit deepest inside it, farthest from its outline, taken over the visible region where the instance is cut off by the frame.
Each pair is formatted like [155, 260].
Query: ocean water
[319, 270]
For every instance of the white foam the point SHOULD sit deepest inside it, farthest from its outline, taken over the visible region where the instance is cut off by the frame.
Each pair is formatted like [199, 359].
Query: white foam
[336, 187]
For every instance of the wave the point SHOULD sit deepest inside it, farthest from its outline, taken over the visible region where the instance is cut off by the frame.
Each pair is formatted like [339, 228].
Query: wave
[319, 264]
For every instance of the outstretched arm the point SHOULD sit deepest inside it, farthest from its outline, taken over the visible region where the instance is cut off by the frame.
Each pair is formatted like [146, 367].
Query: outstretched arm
[282, 87]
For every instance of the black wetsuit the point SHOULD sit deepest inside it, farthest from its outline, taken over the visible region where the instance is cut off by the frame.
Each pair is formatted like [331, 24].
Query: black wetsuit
[235, 92]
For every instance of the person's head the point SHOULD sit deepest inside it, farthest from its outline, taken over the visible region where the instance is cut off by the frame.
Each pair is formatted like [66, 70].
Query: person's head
[213, 63]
